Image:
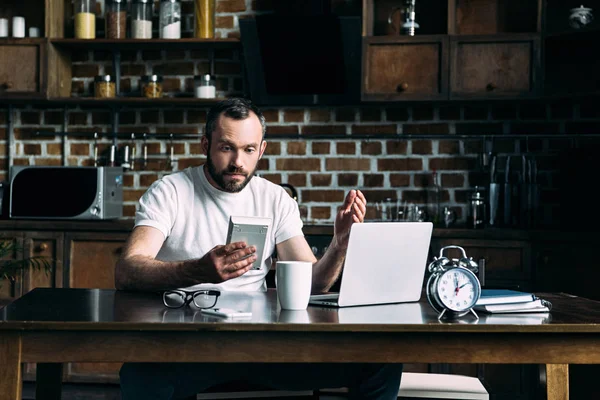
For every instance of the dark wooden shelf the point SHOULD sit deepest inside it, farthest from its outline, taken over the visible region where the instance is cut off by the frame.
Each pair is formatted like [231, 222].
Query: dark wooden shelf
[144, 44]
[25, 41]
[115, 102]
[137, 101]
[573, 33]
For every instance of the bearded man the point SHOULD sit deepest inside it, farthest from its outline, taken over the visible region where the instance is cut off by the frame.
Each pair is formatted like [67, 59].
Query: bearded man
[178, 243]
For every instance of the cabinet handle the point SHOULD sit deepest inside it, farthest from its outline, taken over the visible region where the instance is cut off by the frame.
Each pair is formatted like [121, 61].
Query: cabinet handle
[42, 247]
[7, 85]
[402, 87]
[491, 87]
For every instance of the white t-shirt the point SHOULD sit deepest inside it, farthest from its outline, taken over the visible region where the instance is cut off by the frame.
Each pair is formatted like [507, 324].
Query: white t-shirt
[194, 217]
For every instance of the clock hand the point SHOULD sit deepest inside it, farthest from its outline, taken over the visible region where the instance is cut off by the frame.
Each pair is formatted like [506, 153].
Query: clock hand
[463, 285]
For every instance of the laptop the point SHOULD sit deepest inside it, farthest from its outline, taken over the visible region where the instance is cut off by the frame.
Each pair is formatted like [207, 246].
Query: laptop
[385, 263]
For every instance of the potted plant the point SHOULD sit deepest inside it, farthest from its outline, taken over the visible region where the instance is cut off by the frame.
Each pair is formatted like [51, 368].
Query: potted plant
[11, 267]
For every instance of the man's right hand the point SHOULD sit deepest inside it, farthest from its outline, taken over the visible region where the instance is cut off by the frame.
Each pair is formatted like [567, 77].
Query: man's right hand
[226, 262]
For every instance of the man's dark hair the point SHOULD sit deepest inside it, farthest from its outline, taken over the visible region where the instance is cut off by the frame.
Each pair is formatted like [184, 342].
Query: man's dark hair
[235, 108]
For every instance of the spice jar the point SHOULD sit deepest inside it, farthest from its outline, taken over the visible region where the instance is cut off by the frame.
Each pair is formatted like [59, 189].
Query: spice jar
[170, 19]
[85, 19]
[141, 19]
[204, 86]
[116, 19]
[151, 86]
[104, 87]
[204, 19]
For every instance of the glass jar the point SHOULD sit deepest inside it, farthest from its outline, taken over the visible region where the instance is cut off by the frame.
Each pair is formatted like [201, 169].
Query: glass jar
[204, 19]
[116, 19]
[141, 19]
[85, 19]
[170, 19]
[204, 86]
[151, 86]
[477, 209]
[104, 87]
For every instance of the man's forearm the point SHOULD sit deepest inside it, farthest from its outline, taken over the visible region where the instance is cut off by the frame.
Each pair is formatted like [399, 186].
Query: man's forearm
[145, 273]
[328, 268]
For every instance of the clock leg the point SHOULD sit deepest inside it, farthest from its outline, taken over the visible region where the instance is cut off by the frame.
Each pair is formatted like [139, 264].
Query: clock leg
[474, 313]
[441, 314]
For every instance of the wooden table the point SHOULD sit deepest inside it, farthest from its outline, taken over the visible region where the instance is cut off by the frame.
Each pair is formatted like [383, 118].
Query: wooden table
[54, 326]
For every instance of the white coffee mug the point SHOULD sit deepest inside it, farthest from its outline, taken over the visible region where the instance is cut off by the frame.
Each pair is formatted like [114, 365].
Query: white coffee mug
[293, 280]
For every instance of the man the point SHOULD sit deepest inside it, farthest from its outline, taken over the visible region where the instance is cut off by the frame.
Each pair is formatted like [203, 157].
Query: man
[177, 242]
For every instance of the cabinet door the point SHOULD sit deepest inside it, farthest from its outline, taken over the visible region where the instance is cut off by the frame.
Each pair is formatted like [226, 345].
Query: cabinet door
[9, 291]
[47, 245]
[91, 264]
[405, 69]
[494, 67]
[21, 68]
[503, 263]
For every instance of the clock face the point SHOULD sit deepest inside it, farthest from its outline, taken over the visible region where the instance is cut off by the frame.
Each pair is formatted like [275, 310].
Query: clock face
[458, 289]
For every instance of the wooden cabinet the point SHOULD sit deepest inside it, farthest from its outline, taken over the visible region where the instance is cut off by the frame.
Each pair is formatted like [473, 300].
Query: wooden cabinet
[570, 62]
[483, 67]
[393, 71]
[33, 67]
[502, 263]
[91, 264]
[20, 68]
[488, 48]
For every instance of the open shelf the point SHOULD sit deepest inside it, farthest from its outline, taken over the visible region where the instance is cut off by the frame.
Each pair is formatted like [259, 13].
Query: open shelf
[116, 102]
[143, 44]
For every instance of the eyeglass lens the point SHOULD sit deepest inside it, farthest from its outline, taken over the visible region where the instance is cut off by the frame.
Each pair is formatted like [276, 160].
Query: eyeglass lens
[204, 300]
[176, 299]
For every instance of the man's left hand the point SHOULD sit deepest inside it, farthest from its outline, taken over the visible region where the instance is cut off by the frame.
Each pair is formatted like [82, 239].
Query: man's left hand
[353, 210]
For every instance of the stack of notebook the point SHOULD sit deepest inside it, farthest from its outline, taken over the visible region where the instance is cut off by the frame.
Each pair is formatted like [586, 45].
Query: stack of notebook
[510, 301]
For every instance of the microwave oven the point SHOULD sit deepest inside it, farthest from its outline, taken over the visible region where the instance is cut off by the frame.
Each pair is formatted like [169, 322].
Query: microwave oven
[84, 193]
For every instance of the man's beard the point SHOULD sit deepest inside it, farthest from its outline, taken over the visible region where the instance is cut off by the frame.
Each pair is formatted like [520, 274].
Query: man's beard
[219, 177]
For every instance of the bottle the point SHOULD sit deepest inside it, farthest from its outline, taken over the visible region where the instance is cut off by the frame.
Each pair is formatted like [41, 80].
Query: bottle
[85, 19]
[151, 86]
[204, 86]
[116, 19]
[477, 209]
[434, 199]
[104, 87]
[170, 19]
[141, 19]
[204, 19]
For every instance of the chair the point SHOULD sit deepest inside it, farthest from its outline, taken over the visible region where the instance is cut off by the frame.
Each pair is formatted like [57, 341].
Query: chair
[244, 390]
[428, 386]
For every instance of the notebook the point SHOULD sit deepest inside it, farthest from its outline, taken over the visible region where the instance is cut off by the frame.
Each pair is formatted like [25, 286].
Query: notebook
[385, 263]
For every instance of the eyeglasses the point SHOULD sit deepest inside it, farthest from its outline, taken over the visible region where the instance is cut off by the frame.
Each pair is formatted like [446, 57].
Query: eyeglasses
[201, 298]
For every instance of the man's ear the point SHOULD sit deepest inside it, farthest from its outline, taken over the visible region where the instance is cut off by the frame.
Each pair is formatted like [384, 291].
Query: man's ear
[263, 146]
[205, 145]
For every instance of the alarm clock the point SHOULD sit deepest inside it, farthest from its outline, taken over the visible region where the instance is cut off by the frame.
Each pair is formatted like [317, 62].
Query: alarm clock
[453, 287]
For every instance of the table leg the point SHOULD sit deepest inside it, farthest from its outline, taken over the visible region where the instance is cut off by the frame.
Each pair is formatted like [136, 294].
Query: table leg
[557, 381]
[10, 366]
[48, 381]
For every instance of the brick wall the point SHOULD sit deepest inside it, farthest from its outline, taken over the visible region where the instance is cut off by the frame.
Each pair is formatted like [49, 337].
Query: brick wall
[323, 151]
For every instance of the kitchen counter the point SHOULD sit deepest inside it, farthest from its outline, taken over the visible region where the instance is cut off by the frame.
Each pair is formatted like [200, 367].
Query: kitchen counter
[125, 225]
